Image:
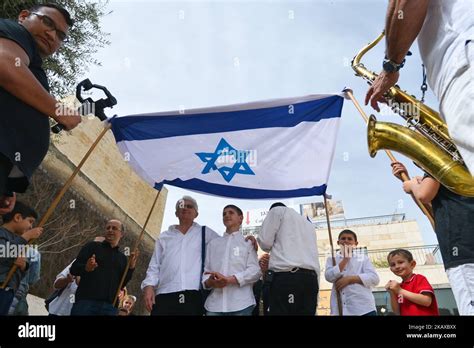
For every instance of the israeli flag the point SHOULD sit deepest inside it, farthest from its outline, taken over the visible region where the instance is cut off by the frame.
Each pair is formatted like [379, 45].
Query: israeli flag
[271, 149]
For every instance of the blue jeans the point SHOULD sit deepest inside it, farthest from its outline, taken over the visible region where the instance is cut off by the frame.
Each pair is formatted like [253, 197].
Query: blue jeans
[370, 314]
[6, 299]
[89, 307]
[244, 312]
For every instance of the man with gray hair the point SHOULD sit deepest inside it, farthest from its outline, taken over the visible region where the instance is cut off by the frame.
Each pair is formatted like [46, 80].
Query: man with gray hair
[173, 279]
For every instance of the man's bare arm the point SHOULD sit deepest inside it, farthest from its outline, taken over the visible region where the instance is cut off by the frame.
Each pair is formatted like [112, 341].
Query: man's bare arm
[403, 26]
[17, 79]
[389, 17]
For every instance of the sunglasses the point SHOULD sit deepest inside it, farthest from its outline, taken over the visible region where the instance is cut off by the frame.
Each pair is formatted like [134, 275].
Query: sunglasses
[47, 21]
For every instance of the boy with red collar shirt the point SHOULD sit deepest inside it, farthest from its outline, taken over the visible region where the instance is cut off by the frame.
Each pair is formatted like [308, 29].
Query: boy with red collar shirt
[414, 295]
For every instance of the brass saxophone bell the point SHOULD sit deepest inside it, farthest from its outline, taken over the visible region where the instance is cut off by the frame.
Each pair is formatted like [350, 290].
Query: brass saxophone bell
[432, 159]
[428, 145]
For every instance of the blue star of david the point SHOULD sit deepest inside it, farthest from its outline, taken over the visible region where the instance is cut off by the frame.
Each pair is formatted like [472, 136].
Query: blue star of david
[224, 148]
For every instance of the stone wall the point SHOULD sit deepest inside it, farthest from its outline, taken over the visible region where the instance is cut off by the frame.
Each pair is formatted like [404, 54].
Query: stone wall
[106, 172]
[105, 188]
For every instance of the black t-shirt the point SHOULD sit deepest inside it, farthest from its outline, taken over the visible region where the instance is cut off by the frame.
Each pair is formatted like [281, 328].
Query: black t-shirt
[102, 283]
[24, 131]
[454, 227]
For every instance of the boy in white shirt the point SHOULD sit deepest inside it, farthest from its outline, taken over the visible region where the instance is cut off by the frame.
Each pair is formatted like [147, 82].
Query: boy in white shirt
[231, 269]
[353, 276]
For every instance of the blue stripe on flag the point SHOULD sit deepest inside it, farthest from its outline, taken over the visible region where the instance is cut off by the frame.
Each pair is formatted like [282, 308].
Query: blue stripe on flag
[241, 192]
[156, 127]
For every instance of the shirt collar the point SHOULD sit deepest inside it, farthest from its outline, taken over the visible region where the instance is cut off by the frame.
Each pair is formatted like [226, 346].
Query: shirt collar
[175, 227]
[231, 234]
[107, 245]
[409, 279]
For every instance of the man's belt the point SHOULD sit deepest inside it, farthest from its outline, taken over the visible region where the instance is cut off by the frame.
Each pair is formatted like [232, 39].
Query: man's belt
[298, 270]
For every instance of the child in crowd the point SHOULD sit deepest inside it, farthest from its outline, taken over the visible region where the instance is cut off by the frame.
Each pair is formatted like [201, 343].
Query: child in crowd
[16, 231]
[127, 305]
[353, 277]
[231, 269]
[414, 295]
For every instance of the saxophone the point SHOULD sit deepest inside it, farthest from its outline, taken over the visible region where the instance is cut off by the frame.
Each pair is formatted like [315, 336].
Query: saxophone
[425, 139]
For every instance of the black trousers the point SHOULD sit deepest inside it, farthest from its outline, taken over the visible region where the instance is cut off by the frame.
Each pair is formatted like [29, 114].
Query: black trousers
[10, 185]
[5, 169]
[261, 292]
[293, 293]
[187, 302]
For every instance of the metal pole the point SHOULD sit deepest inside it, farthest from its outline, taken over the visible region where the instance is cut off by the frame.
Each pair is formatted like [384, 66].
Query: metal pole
[338, 294]
[135, 247]
[424, 208]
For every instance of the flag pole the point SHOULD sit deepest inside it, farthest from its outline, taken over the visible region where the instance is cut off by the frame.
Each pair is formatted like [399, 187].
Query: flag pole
[59, 196]
[426, 209]
[135, 248]
[338, 294]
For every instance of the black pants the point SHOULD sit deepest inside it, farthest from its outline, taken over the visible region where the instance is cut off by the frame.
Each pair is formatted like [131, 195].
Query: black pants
[294, 293]
[187, 302]
[5, 169]
[261, 292]
[10, 185]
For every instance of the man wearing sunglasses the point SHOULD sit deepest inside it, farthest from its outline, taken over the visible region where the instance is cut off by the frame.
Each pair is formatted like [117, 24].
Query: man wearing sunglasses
[25, 101]
[173, 280]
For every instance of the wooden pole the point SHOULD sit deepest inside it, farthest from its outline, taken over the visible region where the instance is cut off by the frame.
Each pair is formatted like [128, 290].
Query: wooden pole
[338, 294]
[424, 208]
[59, 196]
[135, 248]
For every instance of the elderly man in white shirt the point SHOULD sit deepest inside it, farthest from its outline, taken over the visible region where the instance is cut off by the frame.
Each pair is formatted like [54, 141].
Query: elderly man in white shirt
[173, 279]
[231, 269]
[293, 270]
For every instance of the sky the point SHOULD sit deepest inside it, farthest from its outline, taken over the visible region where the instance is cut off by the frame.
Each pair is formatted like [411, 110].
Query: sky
[170, 55]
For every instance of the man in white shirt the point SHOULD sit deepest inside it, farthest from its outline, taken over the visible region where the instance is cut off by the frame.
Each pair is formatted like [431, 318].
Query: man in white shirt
[231, 269]
[173, 279]
[62, 305]
[445, 31]
[294, 264]
[353, 276]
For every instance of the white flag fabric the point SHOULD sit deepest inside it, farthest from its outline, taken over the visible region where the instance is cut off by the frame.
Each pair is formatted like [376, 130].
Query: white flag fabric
[272, 149]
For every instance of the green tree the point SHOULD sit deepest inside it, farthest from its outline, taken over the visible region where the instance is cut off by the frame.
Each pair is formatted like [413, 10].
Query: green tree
[75, 57]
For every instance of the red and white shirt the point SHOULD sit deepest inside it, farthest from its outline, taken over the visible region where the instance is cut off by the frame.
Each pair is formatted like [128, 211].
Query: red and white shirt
[417, 284]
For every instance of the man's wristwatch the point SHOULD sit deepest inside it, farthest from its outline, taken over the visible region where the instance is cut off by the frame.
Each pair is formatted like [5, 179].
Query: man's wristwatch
[390, 66]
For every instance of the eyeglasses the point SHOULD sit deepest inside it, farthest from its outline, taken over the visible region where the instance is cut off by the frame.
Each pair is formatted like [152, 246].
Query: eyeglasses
[188, 206]
[61, 35]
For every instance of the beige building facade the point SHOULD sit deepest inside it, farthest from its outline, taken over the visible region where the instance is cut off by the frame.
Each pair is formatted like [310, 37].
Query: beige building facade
[379, 235]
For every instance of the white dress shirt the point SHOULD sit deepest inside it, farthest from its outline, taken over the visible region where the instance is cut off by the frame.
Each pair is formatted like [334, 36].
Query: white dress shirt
[291, 240]
[176, 262]
[62, 304]
[356, 299]
[231, 255]
[442, 41]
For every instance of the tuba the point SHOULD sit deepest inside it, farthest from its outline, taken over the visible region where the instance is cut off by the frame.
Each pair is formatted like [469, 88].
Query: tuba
[425, 139]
